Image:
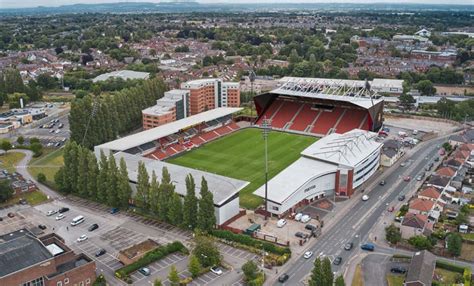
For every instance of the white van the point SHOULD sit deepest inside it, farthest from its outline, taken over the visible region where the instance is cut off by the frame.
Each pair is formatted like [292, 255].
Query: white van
[77, 220]
[281, 223]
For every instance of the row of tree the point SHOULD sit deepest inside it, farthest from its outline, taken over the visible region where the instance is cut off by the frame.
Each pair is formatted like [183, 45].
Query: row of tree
[322, 274]
[12, 88]
[161, 200]
[107, 182]
[97, 119]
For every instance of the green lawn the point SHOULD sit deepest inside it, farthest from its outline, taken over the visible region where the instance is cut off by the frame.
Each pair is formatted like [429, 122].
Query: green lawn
[33, 199]
[48, 164]
[10, 160]
[446, 277]
[241, 156]
[395, 280]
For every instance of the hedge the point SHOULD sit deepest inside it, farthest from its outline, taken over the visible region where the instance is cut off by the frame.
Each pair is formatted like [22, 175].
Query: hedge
[247, 240]
[467, 276]
[449, 266]
[401, 256]
[150, 257]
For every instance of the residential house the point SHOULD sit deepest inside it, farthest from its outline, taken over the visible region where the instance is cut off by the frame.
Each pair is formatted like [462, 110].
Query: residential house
[420, 206]
[421, 269]
[429, 193]
[446, 172]
[413, 224]
[438, 181]
[392, 150]
[466, 136]
[454, 162]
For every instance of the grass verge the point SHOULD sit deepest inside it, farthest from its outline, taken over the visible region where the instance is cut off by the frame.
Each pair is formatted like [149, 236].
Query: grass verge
[10, 160]
[48, 164]
[395, 280]
[358, 280]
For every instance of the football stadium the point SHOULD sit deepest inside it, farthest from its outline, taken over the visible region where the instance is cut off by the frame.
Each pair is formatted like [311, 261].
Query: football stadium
[321, 144]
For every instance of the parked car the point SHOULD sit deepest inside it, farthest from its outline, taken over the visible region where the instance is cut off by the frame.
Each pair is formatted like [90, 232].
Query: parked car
[365, 198]
[301, 235]
[398, 269]
[436, 159]
[10, 215]
[42, 226]
[82, 238]
[145, 271]
[382, 183]
[401, 197]
[51, 212]
[419, 178]
[337, 260]
[311, 227]
[403, 164]
[298, 216]
[93, 227]
[22, 202]
[60, 217]
[114, 210]
[308, 254]
[100, 252]
[391, 209]
[283, 278]
[407, 178]
[368, 247]
[305, 218]
[429, 167]
[281, 223]
[348, 246]
[216, 270]
[63, 210]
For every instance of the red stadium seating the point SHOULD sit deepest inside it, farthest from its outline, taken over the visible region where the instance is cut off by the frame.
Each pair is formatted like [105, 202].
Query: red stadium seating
[352, 119]
[326, 121]
[208, 136]
[271, 110]
[304, 118]
[285, 113]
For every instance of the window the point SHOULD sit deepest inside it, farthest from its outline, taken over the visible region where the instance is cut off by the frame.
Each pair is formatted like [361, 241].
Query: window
[88, 281]
[66, 281]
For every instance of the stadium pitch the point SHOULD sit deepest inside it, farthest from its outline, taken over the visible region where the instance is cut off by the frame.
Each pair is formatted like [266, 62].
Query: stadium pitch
[240, 155]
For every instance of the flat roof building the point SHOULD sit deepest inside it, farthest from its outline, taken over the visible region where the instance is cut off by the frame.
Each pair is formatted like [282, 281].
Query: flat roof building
[174, 105]
[123, 74]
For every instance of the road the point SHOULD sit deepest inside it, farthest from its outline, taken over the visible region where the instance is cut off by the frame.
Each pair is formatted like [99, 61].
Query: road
[356, 227]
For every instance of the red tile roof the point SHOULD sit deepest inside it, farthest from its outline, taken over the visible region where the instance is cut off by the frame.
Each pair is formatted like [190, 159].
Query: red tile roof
[446, 172]
[421, 205]
[430, 192]
[415, 220]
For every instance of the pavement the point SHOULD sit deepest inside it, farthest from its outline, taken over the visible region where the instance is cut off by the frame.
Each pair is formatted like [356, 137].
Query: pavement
[355, 221]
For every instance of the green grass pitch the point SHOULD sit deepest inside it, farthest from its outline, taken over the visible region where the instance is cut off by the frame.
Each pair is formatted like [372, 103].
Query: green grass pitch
[240, 155]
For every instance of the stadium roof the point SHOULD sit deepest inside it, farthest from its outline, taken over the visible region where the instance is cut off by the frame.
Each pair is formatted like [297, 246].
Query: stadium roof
[124, 74]
[221, 187]
[288, 181]
[348, 149]
[357, 92]
[150, 135]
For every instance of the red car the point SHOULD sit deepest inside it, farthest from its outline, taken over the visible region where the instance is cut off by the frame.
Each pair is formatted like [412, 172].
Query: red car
[406, 178]
[391, 209]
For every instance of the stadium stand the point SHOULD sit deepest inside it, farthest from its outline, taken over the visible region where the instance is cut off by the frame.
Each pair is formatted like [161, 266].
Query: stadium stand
[305, 117]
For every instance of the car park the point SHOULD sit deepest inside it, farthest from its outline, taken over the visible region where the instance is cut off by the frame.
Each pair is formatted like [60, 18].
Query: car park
[51, 212]
[308, 254]
[281, 223]
[216, 270]
[365, 198]
[60, 216]
[145, 271]
[283, 278]
[100, 252]
[298, 216]
[398, 269]
[348, 246]
[93, 227]
[301, 235]
[82, 238]
[63, 210]
[337, 260]
[305, 218]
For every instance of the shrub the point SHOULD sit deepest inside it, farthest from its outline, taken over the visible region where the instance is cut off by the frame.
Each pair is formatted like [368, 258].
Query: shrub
[41, 177]
[467, 276]
[247, 240]
[152, 256]
[185, 281]
[449, 266]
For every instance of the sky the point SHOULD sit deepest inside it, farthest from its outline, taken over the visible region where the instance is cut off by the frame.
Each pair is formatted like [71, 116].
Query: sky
[35, 3]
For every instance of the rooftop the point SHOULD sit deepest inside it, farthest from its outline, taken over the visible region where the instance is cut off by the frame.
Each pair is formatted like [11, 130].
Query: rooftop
[430, 192]
[414, 220]
[221, 187]
[348, 149]
[446, 171]
[421, 268]
[421, 205]
[153, 134]
[123, 74]
[167, 102]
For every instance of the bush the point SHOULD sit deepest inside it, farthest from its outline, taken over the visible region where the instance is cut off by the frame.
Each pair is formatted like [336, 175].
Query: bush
[41, 177]
[100, 281]
[420, 242]
[449, 266]
[247, 240]
[467, 276]
[152, 256]
[185, 281]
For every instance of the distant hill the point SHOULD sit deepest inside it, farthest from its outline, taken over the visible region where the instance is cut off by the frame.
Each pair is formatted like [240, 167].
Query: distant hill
[187, 6]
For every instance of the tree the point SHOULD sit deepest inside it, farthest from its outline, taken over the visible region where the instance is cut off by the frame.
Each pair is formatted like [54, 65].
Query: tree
[173, 276]
[426, 87]
[339, 281]
[93, 170]
[420, 242]
[154, 193]
[206, 215]
[250, 270]
[316, 278]
[175, 211]
[157, 282]
[328, 275]
[124, 188]
[454, 242]
[393, 234]
[6, 191]
[41, 178]
[102, 178]
[206, 251]
[143, 185]
[166, 190]
[45, 81]
[20, 140]
[190, 208]
[194, 266]
[112, 186]
[406, 100]
[37, 149]
[6, 145]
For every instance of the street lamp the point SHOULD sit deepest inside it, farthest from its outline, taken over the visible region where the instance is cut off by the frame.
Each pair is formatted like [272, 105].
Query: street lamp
[266, 128]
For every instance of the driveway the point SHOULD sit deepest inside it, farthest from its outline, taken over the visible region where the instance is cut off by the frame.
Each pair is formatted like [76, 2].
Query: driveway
[374, 268]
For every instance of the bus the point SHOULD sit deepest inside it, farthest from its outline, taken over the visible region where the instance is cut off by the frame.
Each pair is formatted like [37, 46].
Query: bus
[77, 220]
